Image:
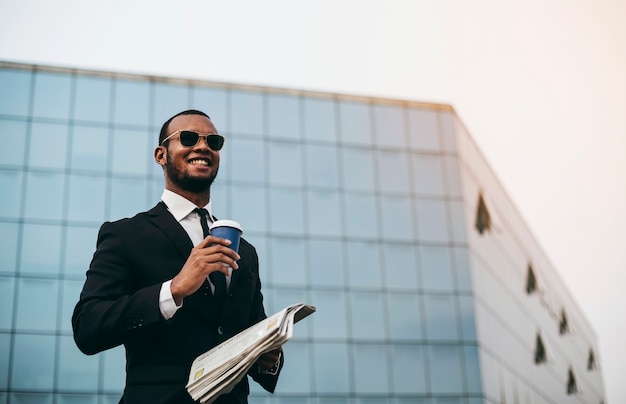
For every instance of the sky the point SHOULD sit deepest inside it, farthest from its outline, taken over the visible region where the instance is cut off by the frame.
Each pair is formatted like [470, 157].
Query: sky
[539, 84]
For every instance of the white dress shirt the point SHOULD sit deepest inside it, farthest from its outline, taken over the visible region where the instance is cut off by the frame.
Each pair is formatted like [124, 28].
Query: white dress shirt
[183, 211]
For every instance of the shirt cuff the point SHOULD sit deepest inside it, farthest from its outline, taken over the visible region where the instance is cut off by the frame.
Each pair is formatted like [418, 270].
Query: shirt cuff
[167, 305]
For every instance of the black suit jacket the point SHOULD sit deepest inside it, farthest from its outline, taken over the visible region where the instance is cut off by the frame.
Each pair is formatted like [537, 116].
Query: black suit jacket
[119, 304]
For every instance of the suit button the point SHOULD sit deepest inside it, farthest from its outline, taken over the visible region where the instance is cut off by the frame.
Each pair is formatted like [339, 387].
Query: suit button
[220, 330]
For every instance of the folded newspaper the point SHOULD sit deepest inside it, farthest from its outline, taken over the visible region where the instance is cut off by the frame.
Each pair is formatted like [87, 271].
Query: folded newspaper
[218, 370]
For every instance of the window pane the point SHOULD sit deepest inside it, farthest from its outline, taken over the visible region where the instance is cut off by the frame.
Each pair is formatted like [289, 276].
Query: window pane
[360, 216]
[453, 176]
[70, 294]
[44, 187]
[368, 322]
[393, 171]
[285, 164]
[323, 211]
[330, 319]
[86, 198]
[211, 101]
[326, 263]
[31, 314]
[247, 160]
[80, 245]
[41, 249]
[432, 223]
[370, 368]
[169, 99]
[400, 266]
[390, 126]
[397, 218]
[297, 379]
[249, 208]
[436, 268]
[472, 369]
[11, 184]
[132, 151]
[128, 196]
[13, 138]
[288, 267]
[468, 320]
[423, 130]
[427, 175]
[364, 264]
[33, 352]
[246, 113]
[114, 374]
[15, 85]
[463, 280]
[90, 146]
[354, 122]
[48, 145]
[132, 102]
[441, 321]
[319, 120]
[321, 162]
[93, 99]
[5, 354]
[52, 95]
[283, 116]
[331, 368]
[409, 374]
[8, 247]
[448, 132]
[358, 169]
[7, 292]
[286, 211]
[77, 371]
[445, 369]
[405, 321]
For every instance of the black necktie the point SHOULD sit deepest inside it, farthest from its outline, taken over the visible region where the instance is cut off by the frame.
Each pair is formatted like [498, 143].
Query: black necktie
[217, 278]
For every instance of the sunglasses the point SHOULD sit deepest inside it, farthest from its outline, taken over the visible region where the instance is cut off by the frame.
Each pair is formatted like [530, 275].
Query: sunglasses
[189, 138]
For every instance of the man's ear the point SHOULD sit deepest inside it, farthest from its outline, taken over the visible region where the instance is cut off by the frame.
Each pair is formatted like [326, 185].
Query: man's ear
[160, 155]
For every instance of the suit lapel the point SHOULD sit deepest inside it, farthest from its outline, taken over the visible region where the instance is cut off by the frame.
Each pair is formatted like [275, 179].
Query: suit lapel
[164, 220]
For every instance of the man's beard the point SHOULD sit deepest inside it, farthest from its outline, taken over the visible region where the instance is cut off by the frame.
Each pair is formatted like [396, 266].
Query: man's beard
[186, 182]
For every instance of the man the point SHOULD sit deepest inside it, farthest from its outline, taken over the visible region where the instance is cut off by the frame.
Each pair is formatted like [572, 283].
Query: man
[151, 286]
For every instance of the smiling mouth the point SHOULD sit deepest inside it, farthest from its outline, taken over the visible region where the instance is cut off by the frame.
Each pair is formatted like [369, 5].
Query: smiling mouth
[200, 162]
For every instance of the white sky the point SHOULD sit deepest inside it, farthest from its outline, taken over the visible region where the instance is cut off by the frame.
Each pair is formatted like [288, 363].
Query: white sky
[540, 85]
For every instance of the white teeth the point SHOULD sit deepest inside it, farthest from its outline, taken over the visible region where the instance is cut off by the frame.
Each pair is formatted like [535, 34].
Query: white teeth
[200, 162]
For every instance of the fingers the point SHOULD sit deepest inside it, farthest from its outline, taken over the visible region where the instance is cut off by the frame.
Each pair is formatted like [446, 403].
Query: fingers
[209, 240]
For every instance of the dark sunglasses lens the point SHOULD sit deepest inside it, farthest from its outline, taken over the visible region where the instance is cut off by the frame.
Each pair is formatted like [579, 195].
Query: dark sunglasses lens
[215, 142]
[188, 138]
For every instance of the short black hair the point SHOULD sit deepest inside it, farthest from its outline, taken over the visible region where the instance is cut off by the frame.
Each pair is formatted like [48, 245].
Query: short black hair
[163, 134]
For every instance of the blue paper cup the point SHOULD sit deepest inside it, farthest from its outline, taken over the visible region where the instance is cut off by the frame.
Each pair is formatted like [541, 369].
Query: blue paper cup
[228, 229]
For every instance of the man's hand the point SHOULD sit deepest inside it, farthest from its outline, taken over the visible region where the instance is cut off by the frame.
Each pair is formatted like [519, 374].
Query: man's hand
[212, 254]
[269, 362]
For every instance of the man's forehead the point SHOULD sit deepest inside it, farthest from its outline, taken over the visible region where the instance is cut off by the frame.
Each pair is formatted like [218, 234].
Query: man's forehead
[193, 121]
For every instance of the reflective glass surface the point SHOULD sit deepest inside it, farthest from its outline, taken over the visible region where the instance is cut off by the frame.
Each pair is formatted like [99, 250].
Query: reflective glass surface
[90, 147]
[246, 113]
[9, 233]
[212, 101]
[319, 120]
[283, 116]
[321, 166]
[93, 99]
[131, 102]
[393, 172]
[13, 137]
[40, 249]
[11, 202]
[390, 128]
[16, 84]
[169, 99]
[354, 123]
[33, 352]
[248, 161]
[332, 368]
[358, 169]
[285, 164]
[52, 95]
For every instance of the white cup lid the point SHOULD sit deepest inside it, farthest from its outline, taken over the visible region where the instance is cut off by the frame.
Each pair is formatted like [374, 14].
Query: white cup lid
[226, 223]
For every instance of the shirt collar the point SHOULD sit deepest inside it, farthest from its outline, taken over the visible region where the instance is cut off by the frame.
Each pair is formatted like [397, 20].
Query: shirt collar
[179, 206]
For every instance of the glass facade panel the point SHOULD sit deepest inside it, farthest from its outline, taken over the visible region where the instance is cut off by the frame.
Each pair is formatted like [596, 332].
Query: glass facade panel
[52, 95]
[354, 123]
[321, 166]
[131, 105]
[246, 113]
[332, 368]
[93, 99]
[125, 156]
[298, 378]
[432, 223]
[324, 213]
[390, 126]
[249, 208]
[287, 266]
[364, 269]
[77, 372]
[10, 203]
[285, 164]
[441, 318]
[13, 135]
[360, 215]
[16, 83]
[87, 197]
[326, 263]
[247, 162]
[283, 116]
[90, 147]
[445, 369]
[41, 249]
[128, 196]
[427, 175]
[286, 211]
[367, 316]
[48, 145]
[423, 129]
[400, 266]
[319, 120]
[212, 101]
[358, 170]
[113, 375]
[370, 379]
[396, 218]
[33, 352]
[436, 268]
[409, 372]
[330, 319]
[393, 172]
[48, 187]
[30, 314]
[169, 99]
[7, 288]
[5, 355]
[405, 323]
[9, 233]
[80, 243]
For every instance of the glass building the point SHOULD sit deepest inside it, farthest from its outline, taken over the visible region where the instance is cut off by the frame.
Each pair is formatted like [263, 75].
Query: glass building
[383, 213]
